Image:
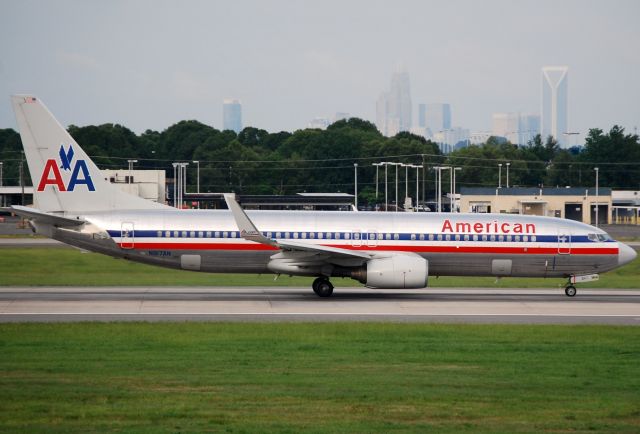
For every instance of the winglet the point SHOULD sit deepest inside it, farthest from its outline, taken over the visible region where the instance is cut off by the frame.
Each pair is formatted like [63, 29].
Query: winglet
[248, 230]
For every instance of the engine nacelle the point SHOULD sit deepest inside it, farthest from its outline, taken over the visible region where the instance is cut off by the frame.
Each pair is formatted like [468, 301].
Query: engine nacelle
[400, 271]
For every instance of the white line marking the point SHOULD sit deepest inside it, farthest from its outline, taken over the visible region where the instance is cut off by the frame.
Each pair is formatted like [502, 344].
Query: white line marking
[320, 314]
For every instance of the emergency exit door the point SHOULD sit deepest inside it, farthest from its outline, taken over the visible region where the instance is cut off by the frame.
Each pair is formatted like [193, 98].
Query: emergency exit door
[127, 235]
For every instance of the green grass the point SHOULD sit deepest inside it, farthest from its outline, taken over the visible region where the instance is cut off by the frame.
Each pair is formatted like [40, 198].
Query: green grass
[337, 377]
[46, 266]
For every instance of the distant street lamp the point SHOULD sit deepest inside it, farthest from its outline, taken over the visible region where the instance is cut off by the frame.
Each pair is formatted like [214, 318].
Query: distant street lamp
[597, 196]
[439, 170]
[499, 175]
[508, 164]
[175, 185]
[198, 175]
[131, 168]
[355, 182]
[455, 169]
[377, 182]
[1, 164]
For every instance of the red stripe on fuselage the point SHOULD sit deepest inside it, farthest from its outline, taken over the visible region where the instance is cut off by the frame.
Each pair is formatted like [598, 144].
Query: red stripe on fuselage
[397, 248]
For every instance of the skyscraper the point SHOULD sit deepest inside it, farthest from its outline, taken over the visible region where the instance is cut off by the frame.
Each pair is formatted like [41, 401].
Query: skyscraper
[518, 128]
[554, 108]
[436, 117]
[393, 108]
[232, 115]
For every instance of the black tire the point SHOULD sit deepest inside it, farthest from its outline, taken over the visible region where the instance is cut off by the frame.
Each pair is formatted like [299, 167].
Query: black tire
[322, 287]
[570, 291]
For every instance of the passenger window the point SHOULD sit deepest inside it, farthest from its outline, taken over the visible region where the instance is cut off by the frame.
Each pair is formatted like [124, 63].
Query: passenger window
[508, 238]
[201, 234]
[234, 234]
[184, 234]
[457, 237]
[312, 235]
[388, 236]
[525, 238]
[430, 237]
[396, 236]
[337, 235]
[475, 238]
[217, 234]
[447, 237]
[304, 235]
[225, 234]
[208, 234]
[328, 235]
[192, 234]
[501, 238]
[517, 238]
[347, 236]
[320, 235]
[439, 237]
[533, 238]
[413, 237]
[295, 235]
[466, 237]
[167, 234]
[176, 234]
[286, 235]
[492, 238]
[421, 237]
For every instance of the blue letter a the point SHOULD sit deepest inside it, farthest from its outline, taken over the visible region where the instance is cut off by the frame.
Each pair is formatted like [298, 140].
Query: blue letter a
[86, 178]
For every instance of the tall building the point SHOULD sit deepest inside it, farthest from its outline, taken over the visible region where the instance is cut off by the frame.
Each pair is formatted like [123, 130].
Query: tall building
[554, 108]
[393, 108]
[232, 115]
[518, 128]
[451, 139]
[435, 117]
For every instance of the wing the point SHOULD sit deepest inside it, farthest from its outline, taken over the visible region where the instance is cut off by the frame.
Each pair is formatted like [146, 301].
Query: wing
[248, 231]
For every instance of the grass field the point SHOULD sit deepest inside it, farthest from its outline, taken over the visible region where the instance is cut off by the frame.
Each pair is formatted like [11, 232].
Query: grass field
[356, 377]
[32, 266]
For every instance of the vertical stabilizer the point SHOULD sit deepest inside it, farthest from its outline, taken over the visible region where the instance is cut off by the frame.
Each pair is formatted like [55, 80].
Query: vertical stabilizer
[64, 177]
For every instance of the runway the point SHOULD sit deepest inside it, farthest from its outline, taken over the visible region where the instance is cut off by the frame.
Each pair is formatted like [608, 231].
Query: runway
[455, 305]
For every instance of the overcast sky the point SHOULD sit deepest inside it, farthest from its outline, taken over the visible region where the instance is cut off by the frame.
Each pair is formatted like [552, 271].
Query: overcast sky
[149, 64]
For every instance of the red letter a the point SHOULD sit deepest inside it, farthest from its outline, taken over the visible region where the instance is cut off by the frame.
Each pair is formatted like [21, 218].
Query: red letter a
[49, 167]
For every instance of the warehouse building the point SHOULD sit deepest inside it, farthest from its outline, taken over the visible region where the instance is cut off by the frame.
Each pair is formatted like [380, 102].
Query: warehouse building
[574, 203]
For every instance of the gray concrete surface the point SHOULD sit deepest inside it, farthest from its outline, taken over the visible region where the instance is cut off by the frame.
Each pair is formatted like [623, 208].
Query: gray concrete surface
[534, 306]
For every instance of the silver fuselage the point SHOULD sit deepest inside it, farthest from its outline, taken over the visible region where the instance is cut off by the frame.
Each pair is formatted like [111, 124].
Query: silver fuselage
[454, 244]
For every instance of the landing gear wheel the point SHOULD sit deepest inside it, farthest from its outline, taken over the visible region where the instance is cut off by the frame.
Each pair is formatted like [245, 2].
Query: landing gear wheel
[322, 287]
[570, 290]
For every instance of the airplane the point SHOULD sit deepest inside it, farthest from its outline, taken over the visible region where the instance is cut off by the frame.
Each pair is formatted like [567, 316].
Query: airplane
[75, 204]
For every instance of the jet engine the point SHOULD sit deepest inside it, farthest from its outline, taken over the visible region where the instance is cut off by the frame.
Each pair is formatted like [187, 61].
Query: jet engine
[399, 271]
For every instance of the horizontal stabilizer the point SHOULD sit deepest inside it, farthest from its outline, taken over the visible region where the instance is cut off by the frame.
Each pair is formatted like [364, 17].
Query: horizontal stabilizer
[45, 218]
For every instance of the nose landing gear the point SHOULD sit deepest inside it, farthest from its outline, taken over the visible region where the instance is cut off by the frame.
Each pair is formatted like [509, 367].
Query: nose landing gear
[322, 287]
[570, 290]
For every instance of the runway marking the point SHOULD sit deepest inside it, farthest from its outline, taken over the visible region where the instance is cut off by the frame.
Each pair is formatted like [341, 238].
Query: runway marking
[316, 314]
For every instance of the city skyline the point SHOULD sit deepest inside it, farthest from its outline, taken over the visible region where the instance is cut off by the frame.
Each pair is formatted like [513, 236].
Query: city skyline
[147, 65]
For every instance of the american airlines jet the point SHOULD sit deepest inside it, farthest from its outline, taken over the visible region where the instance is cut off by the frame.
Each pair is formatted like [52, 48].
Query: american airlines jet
[74, 204]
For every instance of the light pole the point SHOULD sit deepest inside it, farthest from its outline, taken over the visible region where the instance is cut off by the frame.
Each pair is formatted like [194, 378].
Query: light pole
[499, 175]
[184, 182]
[377, 182]
[131, 168]
[1, 164]
[355, 182]
[175, 188]
[597, 197]
[417, 167]
[454, 186]
[198, 177]
[508, 164]
[439, 170]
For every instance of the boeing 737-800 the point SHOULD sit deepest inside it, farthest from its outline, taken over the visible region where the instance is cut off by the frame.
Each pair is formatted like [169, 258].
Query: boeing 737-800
[75, 204]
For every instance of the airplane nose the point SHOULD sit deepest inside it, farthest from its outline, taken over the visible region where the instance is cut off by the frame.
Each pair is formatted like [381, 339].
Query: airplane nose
[626, 254]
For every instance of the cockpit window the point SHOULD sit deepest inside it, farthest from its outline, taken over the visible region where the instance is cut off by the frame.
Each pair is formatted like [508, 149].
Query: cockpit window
[592, 237]
[604, 237]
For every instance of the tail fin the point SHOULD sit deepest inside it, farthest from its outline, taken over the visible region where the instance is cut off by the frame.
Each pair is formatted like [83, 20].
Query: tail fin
[64, 177]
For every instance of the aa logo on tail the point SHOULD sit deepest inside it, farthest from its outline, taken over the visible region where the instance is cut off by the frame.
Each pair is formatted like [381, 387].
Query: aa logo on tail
[51, 174]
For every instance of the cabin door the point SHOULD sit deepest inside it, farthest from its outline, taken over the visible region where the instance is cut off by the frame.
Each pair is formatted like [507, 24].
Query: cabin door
[127, 239]
[564, 241]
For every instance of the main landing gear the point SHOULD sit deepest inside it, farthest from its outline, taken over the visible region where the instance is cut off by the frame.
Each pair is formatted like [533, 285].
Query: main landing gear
[570, 290]
[322, 287]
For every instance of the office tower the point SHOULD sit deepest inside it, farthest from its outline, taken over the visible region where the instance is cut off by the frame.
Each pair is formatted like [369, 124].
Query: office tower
[506, 125]
[529, 127]
[319, 123]
[393, 108]
[517, 128]
[232, 115]
[554, 107]
[452, 138]
[436, 117]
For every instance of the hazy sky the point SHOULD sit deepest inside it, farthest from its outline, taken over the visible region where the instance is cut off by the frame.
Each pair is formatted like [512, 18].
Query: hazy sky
[148, 64]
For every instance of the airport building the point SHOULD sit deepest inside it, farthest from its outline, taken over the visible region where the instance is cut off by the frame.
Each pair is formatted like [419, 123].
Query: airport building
[574, 203]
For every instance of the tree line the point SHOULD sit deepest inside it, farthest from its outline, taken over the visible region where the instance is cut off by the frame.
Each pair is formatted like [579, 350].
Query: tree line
[255, 161]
